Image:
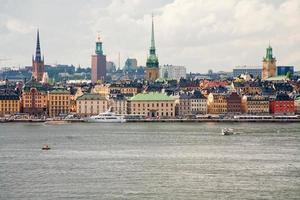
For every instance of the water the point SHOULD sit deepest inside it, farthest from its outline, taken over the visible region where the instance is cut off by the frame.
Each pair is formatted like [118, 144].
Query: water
[150, 161]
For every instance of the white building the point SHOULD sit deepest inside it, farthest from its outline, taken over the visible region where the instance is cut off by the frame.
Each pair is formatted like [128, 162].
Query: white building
[91, 104]
[172, 72]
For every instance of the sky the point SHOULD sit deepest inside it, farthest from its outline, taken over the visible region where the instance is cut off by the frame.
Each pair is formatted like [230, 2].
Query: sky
[198, 34]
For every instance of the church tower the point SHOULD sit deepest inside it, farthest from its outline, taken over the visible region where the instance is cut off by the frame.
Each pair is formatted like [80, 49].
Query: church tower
[98, 63]
[269, 65]
[152, 64]
[38, 68]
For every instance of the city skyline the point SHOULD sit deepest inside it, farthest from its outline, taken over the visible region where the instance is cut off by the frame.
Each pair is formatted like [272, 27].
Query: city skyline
[220, 37]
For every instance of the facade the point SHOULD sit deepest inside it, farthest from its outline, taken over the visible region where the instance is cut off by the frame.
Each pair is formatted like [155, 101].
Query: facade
[234, 103]
[118, 104]
[34, 99]
[98, 72]
[172, 72]
[282, 104]
[285, 70]
[184, 106]
[269, 65]
[59, 102]
[152, 105]
[255, 104]
[191, 104]
[217, 103]
[254, 71]
[152, 64]
[198, 104]
[38, 68]
[9, 103]
[91, 104]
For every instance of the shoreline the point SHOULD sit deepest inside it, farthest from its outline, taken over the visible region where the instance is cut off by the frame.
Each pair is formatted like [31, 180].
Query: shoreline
[161, 121]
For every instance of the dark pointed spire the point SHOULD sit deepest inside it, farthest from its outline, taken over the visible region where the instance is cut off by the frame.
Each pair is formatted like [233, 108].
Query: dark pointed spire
[38, 48]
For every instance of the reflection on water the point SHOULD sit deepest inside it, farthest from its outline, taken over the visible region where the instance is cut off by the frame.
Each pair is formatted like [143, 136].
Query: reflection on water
[150, 160]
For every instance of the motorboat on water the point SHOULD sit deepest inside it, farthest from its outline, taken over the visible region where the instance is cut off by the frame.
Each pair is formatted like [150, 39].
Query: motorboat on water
[106, 117]
[227, 131]
[46, 147]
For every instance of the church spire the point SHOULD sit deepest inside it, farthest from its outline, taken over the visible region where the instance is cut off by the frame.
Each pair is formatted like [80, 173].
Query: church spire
[152, 60]
[38, 48]
[152, 35]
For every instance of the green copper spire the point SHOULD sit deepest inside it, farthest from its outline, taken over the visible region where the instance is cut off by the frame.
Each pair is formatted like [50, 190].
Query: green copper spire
[269, 54]
[152, 60]
[98, 49]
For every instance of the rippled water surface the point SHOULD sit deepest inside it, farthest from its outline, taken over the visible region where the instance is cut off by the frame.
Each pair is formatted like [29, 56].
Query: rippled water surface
[150, 161]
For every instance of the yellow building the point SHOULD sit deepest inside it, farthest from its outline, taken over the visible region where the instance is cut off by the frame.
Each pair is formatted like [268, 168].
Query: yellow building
[9, 104]
[59, 102]
[91, 104]
[34, 99]
[255, 104]
[152, 105]
[217, 103]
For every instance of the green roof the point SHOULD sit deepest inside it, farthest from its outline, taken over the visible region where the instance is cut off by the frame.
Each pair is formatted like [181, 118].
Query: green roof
[91, 97]
[277, 78]
[59, 91]
[152, 96]
[297, 97]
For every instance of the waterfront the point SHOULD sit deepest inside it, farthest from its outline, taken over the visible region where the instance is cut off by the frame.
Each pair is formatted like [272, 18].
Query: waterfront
[150, 160]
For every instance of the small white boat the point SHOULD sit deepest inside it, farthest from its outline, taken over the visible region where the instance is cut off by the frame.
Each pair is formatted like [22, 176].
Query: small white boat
[106, 117]
[227, 131]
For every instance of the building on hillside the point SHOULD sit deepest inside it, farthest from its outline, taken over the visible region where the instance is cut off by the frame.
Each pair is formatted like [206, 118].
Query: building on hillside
[118, 104]
[254, 71]
[38, 67]
[152, 64]
[34, 98]
[130, 65]
[9, 103]
[255, 104]
[152, 105]
[282, 104]
[285, 70]
[91, 104]
[269, 65]
[98, 72]
[217, 103]
[172, 72]
[234, 103]
[59, 102]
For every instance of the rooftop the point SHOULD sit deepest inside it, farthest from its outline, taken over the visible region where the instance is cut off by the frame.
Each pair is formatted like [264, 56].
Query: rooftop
[152, 96]
[91, 97]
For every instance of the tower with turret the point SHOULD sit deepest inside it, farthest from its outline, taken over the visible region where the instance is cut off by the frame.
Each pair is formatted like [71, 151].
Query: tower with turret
[269, 64]
[38, 68]
[98, 72]
[152, 64]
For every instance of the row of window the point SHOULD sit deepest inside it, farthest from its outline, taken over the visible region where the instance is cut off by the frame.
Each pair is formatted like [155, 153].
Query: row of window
[153, 104]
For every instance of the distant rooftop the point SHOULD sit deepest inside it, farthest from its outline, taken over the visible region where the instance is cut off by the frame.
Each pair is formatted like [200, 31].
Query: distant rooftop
[152, 96]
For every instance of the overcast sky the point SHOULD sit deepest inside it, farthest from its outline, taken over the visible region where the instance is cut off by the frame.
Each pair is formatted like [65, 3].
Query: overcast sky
[199, 34]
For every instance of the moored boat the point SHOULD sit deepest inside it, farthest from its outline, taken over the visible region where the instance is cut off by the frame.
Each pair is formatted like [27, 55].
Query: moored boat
[106, 117]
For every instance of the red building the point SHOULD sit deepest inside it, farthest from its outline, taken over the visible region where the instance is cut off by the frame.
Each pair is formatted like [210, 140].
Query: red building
[234, 103]
[282, 104]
